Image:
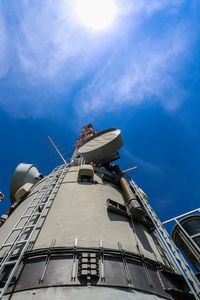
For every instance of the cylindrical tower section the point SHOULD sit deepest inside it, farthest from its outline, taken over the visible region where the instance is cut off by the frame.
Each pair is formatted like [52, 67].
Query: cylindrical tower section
[85, 238]
[186, 235]
[71, 235]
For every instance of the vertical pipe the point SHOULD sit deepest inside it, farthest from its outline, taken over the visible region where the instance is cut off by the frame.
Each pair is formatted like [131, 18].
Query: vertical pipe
[131, 201]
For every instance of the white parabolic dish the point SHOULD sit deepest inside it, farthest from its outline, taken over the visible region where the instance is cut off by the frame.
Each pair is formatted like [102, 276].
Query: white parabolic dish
[103, 146]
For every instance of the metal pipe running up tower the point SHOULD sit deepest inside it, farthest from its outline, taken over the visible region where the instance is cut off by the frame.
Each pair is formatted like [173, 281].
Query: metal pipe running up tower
[74, 235]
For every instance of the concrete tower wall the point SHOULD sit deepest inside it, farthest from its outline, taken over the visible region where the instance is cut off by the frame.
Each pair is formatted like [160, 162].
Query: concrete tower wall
[79, 211]
[117, 252]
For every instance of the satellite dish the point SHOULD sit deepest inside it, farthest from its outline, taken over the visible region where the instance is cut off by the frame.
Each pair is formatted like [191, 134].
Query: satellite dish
[102, 147]
[24, 173]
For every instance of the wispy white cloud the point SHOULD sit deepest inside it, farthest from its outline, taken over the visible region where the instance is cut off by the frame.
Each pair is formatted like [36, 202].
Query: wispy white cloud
[146, 73]
[48, 41]
[50, 47]
[145, 8]
[141, 162]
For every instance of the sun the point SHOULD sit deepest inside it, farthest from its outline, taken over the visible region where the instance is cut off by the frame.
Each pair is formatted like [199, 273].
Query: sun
[96, 14]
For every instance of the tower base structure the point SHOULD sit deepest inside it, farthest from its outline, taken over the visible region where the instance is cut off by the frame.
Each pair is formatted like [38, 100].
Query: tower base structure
[75, 235]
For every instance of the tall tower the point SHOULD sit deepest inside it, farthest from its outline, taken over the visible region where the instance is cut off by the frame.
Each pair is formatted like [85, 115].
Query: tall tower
[87, 231]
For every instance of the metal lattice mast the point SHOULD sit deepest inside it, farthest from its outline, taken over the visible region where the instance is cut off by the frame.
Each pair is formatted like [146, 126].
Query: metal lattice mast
[87, 131]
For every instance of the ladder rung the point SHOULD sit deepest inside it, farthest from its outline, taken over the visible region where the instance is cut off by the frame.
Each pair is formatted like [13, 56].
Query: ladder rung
[17, 228]
[37, 204]
[10, 244]
[29, 226]
[26, 216]
[32, 206]
[39, 197]
[20, 242]
[36, 214]
[20, 228]
[11, 262]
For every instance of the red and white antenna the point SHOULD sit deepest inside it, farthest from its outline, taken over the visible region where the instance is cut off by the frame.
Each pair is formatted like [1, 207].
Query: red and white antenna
[87, 131]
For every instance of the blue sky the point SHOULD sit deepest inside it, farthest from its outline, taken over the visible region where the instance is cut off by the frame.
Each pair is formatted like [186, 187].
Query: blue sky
[141, 75]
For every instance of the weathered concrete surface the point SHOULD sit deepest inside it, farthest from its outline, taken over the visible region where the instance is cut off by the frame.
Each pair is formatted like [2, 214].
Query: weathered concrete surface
[82, 293]
[79, 210]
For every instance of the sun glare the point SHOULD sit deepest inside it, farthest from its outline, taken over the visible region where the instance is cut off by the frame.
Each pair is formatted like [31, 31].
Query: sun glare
[96, 14]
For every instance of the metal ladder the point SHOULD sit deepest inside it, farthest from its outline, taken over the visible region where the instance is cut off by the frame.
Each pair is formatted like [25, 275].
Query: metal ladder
[36, 208]
[174, 252]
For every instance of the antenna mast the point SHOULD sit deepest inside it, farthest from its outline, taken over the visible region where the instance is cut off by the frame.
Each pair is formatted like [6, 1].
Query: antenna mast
[57, 150]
